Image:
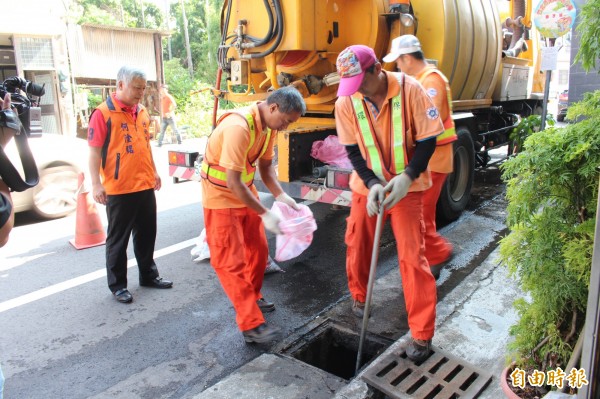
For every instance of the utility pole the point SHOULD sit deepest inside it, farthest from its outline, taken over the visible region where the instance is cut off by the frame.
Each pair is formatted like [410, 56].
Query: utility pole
[187, 40]
[143, 14]
[168, 21]
[122, 13]
[208, 14]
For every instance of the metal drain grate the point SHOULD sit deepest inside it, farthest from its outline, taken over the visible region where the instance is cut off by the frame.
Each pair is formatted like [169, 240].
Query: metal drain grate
[441, 376]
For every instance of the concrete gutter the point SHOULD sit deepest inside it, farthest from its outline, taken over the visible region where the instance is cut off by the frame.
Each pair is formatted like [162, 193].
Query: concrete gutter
[472, 323]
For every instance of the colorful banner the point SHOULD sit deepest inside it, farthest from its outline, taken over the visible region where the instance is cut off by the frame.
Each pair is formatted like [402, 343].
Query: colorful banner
[554, 18]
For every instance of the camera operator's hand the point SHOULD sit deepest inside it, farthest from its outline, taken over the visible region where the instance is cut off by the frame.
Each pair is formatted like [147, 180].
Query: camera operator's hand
[99, 193]
[7, 215]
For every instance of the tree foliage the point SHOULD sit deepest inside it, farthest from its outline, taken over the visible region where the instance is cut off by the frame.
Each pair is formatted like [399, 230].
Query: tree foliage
[552, 192]
[128, 13]
[589, 30]
[204, 31]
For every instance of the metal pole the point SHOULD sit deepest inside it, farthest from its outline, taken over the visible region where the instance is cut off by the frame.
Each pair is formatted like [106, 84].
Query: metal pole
[590, 358]
[546, 95]
[374, 256]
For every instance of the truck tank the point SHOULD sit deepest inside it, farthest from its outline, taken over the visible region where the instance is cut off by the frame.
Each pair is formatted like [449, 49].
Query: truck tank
[487, 49]
[464, 38]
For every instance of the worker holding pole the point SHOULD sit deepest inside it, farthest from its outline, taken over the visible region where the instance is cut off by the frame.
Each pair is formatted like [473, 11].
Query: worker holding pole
[389, 126]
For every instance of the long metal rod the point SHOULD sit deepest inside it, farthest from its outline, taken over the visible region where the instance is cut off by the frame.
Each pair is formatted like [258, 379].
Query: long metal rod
[374, 256]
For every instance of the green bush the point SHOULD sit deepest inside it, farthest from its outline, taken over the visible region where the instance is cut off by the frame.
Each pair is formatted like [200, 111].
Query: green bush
[552, 192]
[526, 127]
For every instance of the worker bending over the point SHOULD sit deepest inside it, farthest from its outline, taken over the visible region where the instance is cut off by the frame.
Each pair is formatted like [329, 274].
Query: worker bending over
[233, 215]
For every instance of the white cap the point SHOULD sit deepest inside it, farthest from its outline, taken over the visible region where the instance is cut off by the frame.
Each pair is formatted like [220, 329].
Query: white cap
[405, 44]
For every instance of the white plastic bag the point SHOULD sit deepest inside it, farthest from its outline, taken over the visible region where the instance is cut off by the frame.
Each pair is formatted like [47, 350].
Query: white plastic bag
[200, 250]
[297, 228]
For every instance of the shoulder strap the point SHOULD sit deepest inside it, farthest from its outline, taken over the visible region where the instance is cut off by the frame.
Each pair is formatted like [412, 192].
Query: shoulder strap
[9, 174]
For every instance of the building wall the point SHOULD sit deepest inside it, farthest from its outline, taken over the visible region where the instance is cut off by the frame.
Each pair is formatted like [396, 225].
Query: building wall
[580, 82]
[49, 50]
[35, 32]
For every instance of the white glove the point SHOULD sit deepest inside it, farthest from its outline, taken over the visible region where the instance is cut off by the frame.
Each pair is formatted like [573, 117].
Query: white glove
[398, 188]
[376, 195]
[286, 199]
[271, 222]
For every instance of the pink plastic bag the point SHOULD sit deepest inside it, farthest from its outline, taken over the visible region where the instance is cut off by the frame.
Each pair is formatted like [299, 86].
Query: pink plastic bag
[297, 228]
[331, 152]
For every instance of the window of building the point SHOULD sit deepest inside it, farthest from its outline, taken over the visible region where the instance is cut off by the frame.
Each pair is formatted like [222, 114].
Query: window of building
[563, 76]
[36, 53]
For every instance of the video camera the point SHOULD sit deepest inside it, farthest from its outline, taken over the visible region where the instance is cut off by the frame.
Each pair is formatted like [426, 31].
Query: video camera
[26, 105]
[25, 97]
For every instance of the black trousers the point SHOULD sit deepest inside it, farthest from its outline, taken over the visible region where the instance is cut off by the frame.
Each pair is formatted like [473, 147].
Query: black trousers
[130, 214]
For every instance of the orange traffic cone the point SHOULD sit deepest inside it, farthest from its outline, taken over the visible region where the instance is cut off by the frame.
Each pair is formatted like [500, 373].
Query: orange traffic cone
[88, 229]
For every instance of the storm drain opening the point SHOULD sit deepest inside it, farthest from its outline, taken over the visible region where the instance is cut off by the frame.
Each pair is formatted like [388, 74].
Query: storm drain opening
[333, 348]
[440, 376]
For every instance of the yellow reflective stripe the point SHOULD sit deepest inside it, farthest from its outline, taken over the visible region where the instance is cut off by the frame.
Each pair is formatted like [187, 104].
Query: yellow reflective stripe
[369, 140]
[250, 120]
[398, 139]
[449, 133]
[218, 173]
[397, 129]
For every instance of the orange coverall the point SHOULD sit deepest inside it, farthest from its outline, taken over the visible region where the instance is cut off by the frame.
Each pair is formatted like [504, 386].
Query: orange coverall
[406, 216]
[437, 248]
[234, 232]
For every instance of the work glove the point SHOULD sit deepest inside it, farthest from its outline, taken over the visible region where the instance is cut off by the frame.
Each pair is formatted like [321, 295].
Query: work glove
[286, 199]
[374, 199]
[398, 188]
[271, 222]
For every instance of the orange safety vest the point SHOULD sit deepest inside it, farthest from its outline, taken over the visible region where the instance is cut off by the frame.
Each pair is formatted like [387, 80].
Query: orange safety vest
[217, 174]
[449, 134]
[370, 143]
[127, 165]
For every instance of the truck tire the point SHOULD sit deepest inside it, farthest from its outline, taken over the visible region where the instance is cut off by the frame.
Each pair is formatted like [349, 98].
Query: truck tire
[456, 191]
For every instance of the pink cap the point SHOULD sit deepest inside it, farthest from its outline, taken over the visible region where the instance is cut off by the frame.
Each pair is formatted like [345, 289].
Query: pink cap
[351, 65]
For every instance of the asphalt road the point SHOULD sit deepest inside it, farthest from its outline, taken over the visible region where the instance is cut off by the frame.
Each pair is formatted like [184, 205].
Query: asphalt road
[64, 336]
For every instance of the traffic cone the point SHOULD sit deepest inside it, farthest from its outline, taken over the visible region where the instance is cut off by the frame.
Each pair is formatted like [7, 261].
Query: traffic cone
[88, 229]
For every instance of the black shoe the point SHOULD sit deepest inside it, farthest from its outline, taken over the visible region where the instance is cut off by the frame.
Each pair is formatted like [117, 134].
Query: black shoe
[261, 334]
[265, 306]
[436, 269]
[123, 295]
[158, 282]
[418, 350]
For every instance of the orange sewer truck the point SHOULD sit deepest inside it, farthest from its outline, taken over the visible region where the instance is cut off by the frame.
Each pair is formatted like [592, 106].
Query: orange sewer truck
[488, 49]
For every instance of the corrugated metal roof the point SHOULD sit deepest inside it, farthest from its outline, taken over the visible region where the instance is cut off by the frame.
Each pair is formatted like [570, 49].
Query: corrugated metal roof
[99, 51]
[127, 29]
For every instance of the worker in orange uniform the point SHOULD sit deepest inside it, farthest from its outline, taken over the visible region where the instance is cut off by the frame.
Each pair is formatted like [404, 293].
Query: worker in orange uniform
[388, 124]
[233, 215]
[407, 53]
[167, 109]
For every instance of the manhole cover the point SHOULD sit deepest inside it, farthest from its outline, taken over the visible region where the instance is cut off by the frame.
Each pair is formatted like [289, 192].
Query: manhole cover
[441, 376]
